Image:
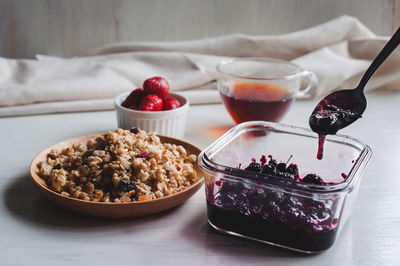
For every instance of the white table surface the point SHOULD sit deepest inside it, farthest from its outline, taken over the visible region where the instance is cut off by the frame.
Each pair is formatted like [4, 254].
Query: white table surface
[33, 230]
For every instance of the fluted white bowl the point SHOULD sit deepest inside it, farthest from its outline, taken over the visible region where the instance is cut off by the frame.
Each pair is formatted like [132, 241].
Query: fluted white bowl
[169, 123]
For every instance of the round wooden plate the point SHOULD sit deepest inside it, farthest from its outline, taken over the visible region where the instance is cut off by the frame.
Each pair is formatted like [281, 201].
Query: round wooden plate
[109, 209]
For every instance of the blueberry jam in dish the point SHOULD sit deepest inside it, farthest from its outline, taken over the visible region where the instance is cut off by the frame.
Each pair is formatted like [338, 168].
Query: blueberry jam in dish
[271, 215]
[287, 199]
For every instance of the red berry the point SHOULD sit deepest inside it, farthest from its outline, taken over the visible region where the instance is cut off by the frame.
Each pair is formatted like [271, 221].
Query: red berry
[171, 103]
[133, 107]
[142, 154]
[133, 99]
[151, 102]
[156, 85]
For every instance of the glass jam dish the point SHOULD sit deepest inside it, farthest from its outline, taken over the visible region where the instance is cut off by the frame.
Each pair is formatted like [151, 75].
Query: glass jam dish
[275, 210]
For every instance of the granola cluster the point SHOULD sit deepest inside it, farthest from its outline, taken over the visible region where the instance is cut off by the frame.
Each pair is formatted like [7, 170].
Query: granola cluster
[120, 166]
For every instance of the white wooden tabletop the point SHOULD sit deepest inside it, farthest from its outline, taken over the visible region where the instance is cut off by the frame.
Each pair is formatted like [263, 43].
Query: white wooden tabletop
[33, 230]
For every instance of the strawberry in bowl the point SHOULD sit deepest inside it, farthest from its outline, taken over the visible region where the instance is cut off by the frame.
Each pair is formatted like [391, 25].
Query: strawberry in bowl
[171, 103]
[152, 97]
[153, 108]
[133, 99]
[151, 102]
[156, 85]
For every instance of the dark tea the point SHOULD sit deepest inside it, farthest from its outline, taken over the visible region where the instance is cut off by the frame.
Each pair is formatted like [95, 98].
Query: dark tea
[249, 101]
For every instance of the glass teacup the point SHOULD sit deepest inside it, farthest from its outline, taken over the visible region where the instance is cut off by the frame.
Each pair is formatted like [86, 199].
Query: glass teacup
[262, 88]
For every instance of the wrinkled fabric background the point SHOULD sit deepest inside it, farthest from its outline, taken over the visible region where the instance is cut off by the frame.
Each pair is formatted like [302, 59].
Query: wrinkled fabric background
[338, 52]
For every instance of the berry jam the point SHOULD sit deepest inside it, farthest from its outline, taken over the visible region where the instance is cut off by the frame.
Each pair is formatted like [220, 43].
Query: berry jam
[336, 111]
[321, 141]
[266, 214]
[328, 119]
[274, 230]
[246, 101]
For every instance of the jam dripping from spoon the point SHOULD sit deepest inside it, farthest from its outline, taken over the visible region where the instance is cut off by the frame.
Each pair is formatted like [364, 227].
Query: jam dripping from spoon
[340, 109]
[334, 112]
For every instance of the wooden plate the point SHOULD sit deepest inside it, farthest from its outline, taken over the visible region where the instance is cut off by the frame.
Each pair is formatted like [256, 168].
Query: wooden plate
[109, 209]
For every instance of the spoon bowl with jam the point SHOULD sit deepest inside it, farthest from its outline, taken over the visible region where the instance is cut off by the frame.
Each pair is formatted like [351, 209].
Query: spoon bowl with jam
[340, 109]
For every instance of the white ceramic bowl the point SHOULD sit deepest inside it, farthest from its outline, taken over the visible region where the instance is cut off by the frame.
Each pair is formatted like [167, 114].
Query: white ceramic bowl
[169, 123]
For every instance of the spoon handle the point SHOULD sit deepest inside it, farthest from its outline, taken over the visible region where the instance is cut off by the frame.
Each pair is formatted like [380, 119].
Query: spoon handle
[386, 51]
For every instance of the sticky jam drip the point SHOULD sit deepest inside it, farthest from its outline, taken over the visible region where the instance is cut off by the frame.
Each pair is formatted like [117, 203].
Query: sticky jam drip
[328, 119]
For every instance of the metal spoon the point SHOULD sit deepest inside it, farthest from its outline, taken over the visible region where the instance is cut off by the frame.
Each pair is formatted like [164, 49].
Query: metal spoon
[342, 108]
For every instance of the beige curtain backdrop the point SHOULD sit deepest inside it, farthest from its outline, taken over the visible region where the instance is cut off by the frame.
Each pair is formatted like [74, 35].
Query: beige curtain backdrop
[338, 52]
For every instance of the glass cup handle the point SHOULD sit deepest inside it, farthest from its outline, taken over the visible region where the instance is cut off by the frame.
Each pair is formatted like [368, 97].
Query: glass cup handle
[308, 91]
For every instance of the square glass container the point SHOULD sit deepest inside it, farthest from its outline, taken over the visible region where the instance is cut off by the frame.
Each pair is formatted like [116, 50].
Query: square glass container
[291, 214]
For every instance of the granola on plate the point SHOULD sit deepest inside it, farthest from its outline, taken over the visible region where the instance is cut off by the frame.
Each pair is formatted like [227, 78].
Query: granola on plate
[119, 166]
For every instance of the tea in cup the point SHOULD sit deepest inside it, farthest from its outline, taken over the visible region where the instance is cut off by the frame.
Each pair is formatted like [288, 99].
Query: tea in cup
[262, 89]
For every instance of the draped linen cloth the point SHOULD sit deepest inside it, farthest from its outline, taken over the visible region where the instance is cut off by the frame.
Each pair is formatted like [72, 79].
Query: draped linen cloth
[338, 52]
